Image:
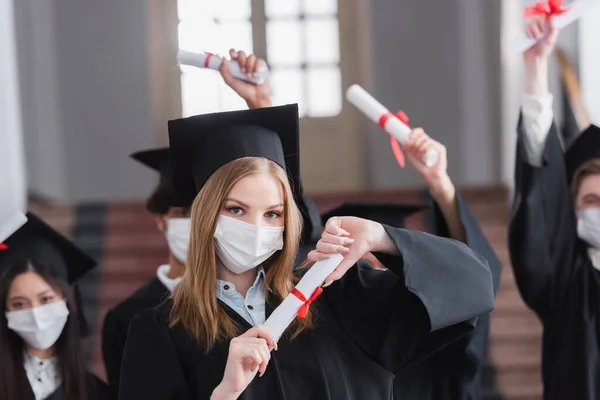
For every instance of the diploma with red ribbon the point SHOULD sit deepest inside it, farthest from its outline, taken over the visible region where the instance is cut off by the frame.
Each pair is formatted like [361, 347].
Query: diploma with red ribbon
[553, 8]
[211, 61]
[298, 302]
[10, 226]
[395, 125]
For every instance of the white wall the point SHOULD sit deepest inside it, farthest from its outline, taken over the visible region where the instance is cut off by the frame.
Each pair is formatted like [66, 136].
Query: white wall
[589, 63]
[12, 176]
[85, 97]
[437, 61]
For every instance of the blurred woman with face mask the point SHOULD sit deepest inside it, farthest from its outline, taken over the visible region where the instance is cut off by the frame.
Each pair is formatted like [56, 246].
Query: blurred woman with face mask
[40, 336]
[554, 233]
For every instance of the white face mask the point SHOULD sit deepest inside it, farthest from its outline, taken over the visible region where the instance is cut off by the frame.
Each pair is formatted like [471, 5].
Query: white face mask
[588, 226]
[241, 246]
[178, 236]
[39, 326]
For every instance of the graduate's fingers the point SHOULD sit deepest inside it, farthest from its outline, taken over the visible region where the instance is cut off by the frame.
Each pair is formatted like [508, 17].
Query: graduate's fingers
[528, 31]
[233, 54]
[260, 332]
[242, 61]
[418, 143]
[330, 248]
[425, 145]
[415, 134]
[536, 31]
[336, 239]
[265, 354]
[333, 226]
[542, 25]
[316, 256]
[552, 32]
[251, 65]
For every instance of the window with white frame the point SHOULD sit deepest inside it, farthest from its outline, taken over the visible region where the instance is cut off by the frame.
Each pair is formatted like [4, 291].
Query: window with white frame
[302, 46]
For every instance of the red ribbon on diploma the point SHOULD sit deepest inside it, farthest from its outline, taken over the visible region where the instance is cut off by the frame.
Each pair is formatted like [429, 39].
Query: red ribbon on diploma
[552, 8]
[393, 142]
[208, 56]
[3, 246]
[303, 311]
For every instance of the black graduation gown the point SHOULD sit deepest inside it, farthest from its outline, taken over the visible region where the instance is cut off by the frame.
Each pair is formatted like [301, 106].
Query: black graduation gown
[454, 373]
[116, 326]
[369, 324]
[555, 276]
[98, 391]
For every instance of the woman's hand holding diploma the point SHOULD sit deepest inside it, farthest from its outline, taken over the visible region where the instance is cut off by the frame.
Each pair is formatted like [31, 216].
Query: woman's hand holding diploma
[249, 354]
[352, 237]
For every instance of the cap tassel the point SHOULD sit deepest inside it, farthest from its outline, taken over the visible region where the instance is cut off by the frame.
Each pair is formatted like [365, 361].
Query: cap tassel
[3, 246]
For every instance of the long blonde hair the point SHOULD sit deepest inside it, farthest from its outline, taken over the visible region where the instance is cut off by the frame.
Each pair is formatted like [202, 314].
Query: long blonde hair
[195, 304]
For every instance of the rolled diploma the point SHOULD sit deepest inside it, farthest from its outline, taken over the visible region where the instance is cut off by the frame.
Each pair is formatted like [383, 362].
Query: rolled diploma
[13, 224]
[576, 10]
[374, 110]
[283, 315]
[211, 61]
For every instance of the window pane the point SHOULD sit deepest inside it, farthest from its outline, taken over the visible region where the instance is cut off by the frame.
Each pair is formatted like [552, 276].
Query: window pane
[193, 9]
[323, 39]
[197, 36]
[195, 84]
[230, 100]
[319, 7]
[231, 9]
[287, 87]
[284, 42]
[324, 92]
[237, 35]
[281, 8]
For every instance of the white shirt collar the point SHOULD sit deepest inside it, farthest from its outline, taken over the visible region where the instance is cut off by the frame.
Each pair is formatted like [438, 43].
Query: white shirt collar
[161, 274]
[594, 255]
[43, 375]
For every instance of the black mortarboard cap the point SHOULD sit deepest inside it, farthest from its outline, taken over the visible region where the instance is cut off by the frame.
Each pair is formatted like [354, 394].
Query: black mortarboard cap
[36, 240]
[391, 214]
[202, 144]
[158, 160]
[583, 149]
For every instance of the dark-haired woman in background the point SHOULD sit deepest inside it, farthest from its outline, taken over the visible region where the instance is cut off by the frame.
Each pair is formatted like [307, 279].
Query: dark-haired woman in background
[40, 338]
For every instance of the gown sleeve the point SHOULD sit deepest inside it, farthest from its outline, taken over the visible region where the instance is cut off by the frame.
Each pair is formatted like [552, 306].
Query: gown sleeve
[465, 357]
[151, 369]
[542, 225]
[113, 346]
[428, 298]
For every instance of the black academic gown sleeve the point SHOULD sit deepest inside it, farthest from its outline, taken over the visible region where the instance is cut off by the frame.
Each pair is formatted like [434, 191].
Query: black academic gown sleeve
[542, 226]
[462, 361]
[430, 297]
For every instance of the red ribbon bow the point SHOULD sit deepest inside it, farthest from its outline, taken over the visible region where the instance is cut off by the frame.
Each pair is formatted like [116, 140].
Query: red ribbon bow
[553, 7]
[393, 142]
[3, 246]
[303, 311]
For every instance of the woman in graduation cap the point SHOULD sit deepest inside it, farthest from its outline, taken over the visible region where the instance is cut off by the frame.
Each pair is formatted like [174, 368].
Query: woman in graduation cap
[242, 170]
[40, 337]
[554, 234]
[174, 222]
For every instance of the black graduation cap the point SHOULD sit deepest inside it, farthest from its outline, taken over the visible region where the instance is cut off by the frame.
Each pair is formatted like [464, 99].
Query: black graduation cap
[202, 144]
[392, 214]
[36, 240]
[583, 149]
[158, 160]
